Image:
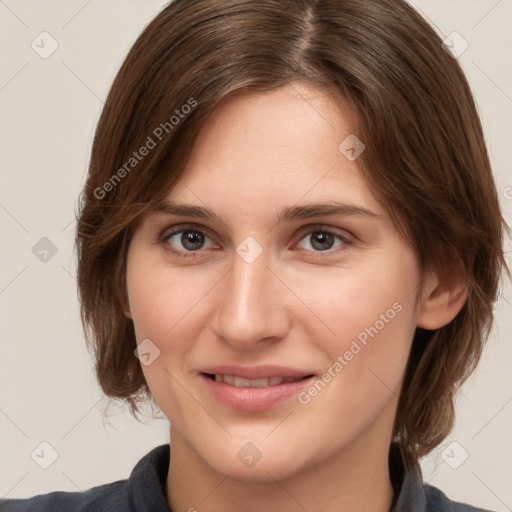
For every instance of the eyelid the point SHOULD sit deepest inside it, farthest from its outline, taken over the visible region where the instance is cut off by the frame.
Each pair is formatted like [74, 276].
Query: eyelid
[344, 235]
[176, 228]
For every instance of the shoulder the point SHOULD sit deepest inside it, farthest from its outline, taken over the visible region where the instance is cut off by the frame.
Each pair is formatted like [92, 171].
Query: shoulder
[144, 491]
[103, 498]
[437, 501]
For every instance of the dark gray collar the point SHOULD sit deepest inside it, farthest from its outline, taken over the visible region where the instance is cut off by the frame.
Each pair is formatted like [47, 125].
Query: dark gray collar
[408, 484]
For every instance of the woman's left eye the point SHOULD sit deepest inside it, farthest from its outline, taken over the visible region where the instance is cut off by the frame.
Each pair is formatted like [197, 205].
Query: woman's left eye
[321, 239]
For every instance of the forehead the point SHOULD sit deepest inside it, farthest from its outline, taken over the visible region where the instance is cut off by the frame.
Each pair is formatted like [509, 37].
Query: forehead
[263, 149]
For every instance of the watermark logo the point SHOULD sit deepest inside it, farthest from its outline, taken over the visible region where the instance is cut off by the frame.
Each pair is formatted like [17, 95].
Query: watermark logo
[249, 455]
[44, 250]
[147, 352]
[454, 455]
[44, 45]
[249, 249]
[351, 147]
[455, 44]
[44, 455]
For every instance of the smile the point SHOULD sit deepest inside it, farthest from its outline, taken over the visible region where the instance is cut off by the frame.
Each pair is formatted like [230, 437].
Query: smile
[241, 382]
[258, 393]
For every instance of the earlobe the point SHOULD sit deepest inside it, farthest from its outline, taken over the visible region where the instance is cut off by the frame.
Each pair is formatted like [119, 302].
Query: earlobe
[127, 314]
[444, 296]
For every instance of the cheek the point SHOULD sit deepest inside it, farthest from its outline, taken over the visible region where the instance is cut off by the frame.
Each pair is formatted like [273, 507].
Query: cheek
[162, 304]
[170, 309]
[367, 323]
[373, 319]
[349, 300]
[160, 300]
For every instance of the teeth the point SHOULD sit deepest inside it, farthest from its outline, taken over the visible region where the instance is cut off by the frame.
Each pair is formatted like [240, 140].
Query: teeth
[240, 382]
[229, 379]
[259, 382]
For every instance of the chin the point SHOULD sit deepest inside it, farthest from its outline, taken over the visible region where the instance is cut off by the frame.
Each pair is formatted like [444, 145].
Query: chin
[262, 472]
[243, 461]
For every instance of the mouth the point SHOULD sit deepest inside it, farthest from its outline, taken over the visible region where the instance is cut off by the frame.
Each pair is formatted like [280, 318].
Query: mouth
[258, 389]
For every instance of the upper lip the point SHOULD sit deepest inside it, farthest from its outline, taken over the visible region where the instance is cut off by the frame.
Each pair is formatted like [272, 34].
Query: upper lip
[255, 372]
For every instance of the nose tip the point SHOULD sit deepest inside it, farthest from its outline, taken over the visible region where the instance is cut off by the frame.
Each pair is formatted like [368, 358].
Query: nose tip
[250, 305]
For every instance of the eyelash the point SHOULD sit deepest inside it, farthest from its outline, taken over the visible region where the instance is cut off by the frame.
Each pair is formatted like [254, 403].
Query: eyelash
[166, 235]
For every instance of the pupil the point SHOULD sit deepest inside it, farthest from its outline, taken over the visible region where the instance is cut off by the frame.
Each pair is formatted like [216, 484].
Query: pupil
[319, 238]
[192, 240]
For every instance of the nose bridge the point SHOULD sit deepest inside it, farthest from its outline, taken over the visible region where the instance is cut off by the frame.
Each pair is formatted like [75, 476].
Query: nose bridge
[248, 308]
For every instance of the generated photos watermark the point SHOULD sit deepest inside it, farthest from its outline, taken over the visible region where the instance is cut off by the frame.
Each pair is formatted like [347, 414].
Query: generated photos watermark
[157, 135]
[357, 345]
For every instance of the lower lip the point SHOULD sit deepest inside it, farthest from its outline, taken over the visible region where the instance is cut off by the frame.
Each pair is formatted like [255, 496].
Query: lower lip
[253, 398]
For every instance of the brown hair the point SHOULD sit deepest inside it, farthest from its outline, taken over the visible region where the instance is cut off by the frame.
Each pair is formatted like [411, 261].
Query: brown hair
[425, 161]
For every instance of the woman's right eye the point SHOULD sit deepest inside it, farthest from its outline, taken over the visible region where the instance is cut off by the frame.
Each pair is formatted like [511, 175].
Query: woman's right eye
[191, 240]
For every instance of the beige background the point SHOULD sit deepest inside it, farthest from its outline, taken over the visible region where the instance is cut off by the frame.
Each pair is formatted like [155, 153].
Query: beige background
[48, 111]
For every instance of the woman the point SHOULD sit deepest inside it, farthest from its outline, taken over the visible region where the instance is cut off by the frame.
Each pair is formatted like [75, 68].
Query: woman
[290, 240]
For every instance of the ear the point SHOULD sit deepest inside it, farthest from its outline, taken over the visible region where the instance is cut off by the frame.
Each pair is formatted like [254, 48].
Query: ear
[444, 296]
[127, 314]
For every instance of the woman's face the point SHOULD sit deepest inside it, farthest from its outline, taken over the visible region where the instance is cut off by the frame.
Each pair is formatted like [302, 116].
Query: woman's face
[267, 287]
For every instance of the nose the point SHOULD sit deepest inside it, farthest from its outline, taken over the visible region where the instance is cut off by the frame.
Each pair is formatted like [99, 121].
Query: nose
[251, 306]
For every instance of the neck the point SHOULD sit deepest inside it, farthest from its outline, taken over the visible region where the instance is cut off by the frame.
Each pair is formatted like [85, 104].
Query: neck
[356, 479]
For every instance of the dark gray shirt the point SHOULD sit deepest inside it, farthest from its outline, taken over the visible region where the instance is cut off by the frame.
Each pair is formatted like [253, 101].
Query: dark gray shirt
[144, 491]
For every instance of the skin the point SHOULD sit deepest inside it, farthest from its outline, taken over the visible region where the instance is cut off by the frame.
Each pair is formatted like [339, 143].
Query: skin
[295, 305]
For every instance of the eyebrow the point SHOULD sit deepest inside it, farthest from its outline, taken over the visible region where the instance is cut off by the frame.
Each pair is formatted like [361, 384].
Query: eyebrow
[288, 213]
[319, 210]
[187, 210]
